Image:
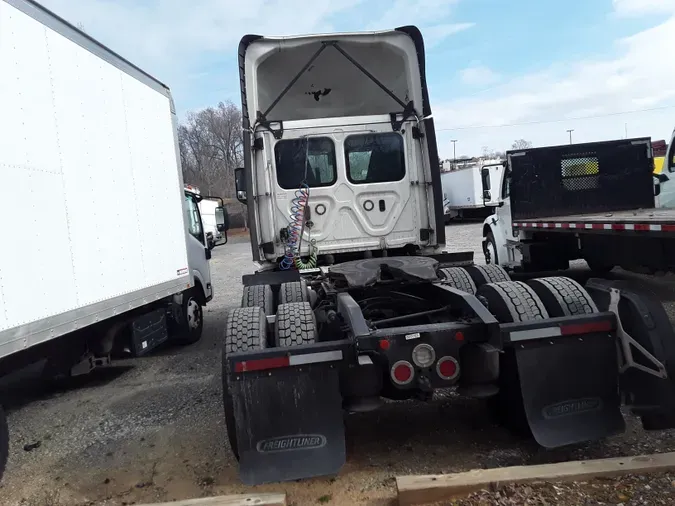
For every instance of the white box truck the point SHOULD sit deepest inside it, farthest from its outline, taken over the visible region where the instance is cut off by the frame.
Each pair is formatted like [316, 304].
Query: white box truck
[116, 256]
[463, 194]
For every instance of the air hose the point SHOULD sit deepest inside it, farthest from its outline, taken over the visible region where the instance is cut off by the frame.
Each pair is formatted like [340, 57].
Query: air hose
[296, 227]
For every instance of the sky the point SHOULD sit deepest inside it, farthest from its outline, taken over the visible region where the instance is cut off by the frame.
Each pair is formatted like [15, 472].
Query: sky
[497, 70]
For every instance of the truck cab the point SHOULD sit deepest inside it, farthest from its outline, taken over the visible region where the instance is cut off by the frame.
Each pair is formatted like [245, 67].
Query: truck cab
[338, 145]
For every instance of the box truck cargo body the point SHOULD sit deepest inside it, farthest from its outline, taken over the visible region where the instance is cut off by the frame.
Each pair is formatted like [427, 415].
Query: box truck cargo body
[99, 238]
[463, 191]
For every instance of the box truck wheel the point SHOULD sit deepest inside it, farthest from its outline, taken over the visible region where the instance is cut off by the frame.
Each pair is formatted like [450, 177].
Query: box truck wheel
[4, 442]
[245, 330]
[295, 325]
[191, 321]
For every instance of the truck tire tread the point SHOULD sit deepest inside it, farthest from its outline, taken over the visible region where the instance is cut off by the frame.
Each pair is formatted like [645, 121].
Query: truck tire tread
[260, 296]
[295, 325]
[483, 274]
[563, 296]
[295, 291]
[513, 301]
[246, 329]
[459, 278]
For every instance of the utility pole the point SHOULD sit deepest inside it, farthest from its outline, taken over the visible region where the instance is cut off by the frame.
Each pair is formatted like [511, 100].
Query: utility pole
[454, 153]
[570, 132]
[625, 129]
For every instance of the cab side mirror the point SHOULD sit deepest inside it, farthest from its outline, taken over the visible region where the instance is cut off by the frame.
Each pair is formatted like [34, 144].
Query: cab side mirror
[240, 185]
[222, 219]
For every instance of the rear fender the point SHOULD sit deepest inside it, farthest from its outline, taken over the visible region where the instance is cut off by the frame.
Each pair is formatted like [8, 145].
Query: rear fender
[288, 412]
[648, 351]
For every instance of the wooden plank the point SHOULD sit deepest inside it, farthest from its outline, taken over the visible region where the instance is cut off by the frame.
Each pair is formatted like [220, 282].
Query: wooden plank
[230, 500]
[433, 488]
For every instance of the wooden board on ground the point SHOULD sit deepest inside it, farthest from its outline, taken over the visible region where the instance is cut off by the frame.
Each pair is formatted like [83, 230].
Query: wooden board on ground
[231, 500]
[433, 488]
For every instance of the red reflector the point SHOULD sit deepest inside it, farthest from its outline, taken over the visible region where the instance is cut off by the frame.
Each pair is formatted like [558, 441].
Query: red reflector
[384, 344]
[586, 328]
[641, 226]
[459, 336]
[447, 368]
[261, 364]
[402, 372]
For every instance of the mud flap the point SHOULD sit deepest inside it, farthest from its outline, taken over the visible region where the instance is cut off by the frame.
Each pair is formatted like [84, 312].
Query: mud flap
[289, 424]
[570, 388]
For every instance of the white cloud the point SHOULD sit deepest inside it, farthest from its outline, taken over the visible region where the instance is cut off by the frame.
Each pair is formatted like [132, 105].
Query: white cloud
[175, 40]
[434, 35]
[187, 44]
[428, 15]
[642, 7]
[637, 78]
[478, 75]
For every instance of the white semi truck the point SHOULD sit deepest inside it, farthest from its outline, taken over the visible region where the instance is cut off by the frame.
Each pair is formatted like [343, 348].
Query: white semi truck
[355, 301]
[117, 255]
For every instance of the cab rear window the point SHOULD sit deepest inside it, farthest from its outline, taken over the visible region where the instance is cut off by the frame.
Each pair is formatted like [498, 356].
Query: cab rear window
[305, 160]
[375, 158]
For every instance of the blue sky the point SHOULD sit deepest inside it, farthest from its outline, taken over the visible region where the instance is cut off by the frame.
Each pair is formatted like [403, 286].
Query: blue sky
[497, 70]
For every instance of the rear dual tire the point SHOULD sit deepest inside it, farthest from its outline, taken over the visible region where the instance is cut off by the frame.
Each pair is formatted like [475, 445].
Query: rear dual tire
[515, 301]
[245, 330]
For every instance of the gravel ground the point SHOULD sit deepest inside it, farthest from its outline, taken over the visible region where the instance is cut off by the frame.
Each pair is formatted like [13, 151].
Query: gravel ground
[151, 429]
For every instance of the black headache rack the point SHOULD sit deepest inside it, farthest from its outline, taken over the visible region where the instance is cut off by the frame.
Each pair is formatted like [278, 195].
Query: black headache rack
[581, 178]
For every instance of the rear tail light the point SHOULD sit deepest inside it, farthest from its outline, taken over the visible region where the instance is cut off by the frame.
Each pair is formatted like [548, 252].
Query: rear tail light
[423, 355]
[447, 368]
[402, 372]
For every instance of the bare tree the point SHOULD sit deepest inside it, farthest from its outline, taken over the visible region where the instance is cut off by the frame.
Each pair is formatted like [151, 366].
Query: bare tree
[210, 143]
[521, 144]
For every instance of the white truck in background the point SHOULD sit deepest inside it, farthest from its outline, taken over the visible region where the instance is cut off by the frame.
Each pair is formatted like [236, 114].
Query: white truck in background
[88, 147]
[463, 193]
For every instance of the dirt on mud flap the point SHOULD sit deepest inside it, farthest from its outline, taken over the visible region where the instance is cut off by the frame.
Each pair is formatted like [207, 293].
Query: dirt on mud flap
[289, 424]
[568, 378]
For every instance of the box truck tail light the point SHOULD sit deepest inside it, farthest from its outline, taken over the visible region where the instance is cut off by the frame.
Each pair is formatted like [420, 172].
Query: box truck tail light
[402, 372]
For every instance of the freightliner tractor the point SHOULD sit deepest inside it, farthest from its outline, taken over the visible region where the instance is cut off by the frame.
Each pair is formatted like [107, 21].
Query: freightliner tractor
[355, 300]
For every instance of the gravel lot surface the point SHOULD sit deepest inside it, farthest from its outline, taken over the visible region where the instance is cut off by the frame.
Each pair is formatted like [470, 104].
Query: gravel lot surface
[151, 429]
